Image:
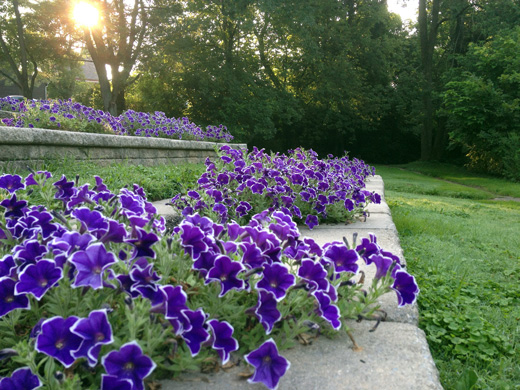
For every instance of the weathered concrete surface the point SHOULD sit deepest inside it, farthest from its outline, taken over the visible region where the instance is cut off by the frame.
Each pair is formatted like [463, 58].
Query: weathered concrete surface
[395, 356]
[22, 146]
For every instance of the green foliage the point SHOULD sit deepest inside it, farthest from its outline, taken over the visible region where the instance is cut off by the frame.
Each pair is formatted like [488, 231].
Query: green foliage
[465, 257]
[159, 182]
[482, 106]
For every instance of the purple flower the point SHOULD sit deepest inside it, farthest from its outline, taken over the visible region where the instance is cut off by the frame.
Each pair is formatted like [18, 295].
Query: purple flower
[266, 310]
[344, 259]
[173, 305]
[42, 222]
[196, 333]
[406, 287]
[223, 179]
[349, 205]
[11, 183]
[31, 181]
[311, 221]
[56, 339]
[276, 279]
[327, 310]
[226, 272]
[83, 195]
[142, 244]
[9, 301]
[90, 264]
[7, 266]
[100, 186]
[269, 365]
[116, 232]
[193, 194]
[14, 207]
[129, 363]
[368, 247]
[29, 252]
[252, 256]
[313, 273]
[223, 341]
[112, 382]
[21, 379]
[95, 330]
[192, 240]
[91, 220]
[65, 189]
[205, 262]
[382, 263]
[37, 279]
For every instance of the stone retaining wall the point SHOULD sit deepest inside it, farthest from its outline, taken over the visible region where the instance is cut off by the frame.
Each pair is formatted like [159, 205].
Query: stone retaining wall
[22, 147]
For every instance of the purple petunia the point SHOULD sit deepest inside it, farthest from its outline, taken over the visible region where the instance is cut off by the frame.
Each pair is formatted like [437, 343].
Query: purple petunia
[327, 310]
[313, 273]
[223, 341]
[311, 221]
[142, 243]
[14, 207]
[95, 330]
[405, 286]
[266, 310]
[226, 272]
[37, 279]
[269, 365]
[56, 339]
[129, 363]
[21, 379]
[196, 332]
[9, 301]
[11, 183]
[276, 279]
[343, 259]
[90, 264]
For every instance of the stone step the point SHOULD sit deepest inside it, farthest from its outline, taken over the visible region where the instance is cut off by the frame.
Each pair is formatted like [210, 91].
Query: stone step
[395, 356]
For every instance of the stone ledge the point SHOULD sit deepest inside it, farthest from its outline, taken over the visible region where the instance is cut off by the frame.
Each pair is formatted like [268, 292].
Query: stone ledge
[394, 357]
[23, 146]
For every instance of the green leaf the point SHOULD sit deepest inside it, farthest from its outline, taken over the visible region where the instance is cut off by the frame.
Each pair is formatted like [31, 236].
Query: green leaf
[467, 381]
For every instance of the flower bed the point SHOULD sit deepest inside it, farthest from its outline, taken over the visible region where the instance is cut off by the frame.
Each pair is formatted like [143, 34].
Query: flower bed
[95, 293]
[68, 115]
[238, 185]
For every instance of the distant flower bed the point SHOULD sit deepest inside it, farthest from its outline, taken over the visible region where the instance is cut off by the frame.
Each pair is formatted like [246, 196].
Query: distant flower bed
[68, 115]
[96, 294]
[238, 185]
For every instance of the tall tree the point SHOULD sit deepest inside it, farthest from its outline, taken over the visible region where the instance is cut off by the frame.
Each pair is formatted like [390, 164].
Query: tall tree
[116, 42]
[23, 68]
[34, 46]
[428, 24]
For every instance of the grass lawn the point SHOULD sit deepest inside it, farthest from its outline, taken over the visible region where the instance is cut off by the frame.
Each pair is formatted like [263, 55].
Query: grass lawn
[159, 182]
[464, 249]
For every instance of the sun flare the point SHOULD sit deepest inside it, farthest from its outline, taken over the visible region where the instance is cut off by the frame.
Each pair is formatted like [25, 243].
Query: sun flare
[85, 14]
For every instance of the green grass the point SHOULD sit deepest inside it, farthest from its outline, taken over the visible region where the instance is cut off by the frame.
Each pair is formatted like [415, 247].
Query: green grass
[159, 182]
[461, 176]
[464, 250]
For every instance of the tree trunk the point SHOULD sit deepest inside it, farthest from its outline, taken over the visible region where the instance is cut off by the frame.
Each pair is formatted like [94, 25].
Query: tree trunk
[428, 28]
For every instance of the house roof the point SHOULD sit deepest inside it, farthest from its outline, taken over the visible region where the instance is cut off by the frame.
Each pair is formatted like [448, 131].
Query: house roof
[89, 71]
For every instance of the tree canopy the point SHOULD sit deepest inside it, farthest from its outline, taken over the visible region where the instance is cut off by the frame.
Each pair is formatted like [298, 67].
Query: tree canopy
[333, 75]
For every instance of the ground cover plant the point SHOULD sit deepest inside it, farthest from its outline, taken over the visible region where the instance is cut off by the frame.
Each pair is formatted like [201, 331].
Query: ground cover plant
[96, 293]
[464, 250]
[73, 116]
[239, 184]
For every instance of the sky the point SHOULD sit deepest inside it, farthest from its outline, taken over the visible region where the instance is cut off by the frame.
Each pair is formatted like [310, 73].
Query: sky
[406, 8]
